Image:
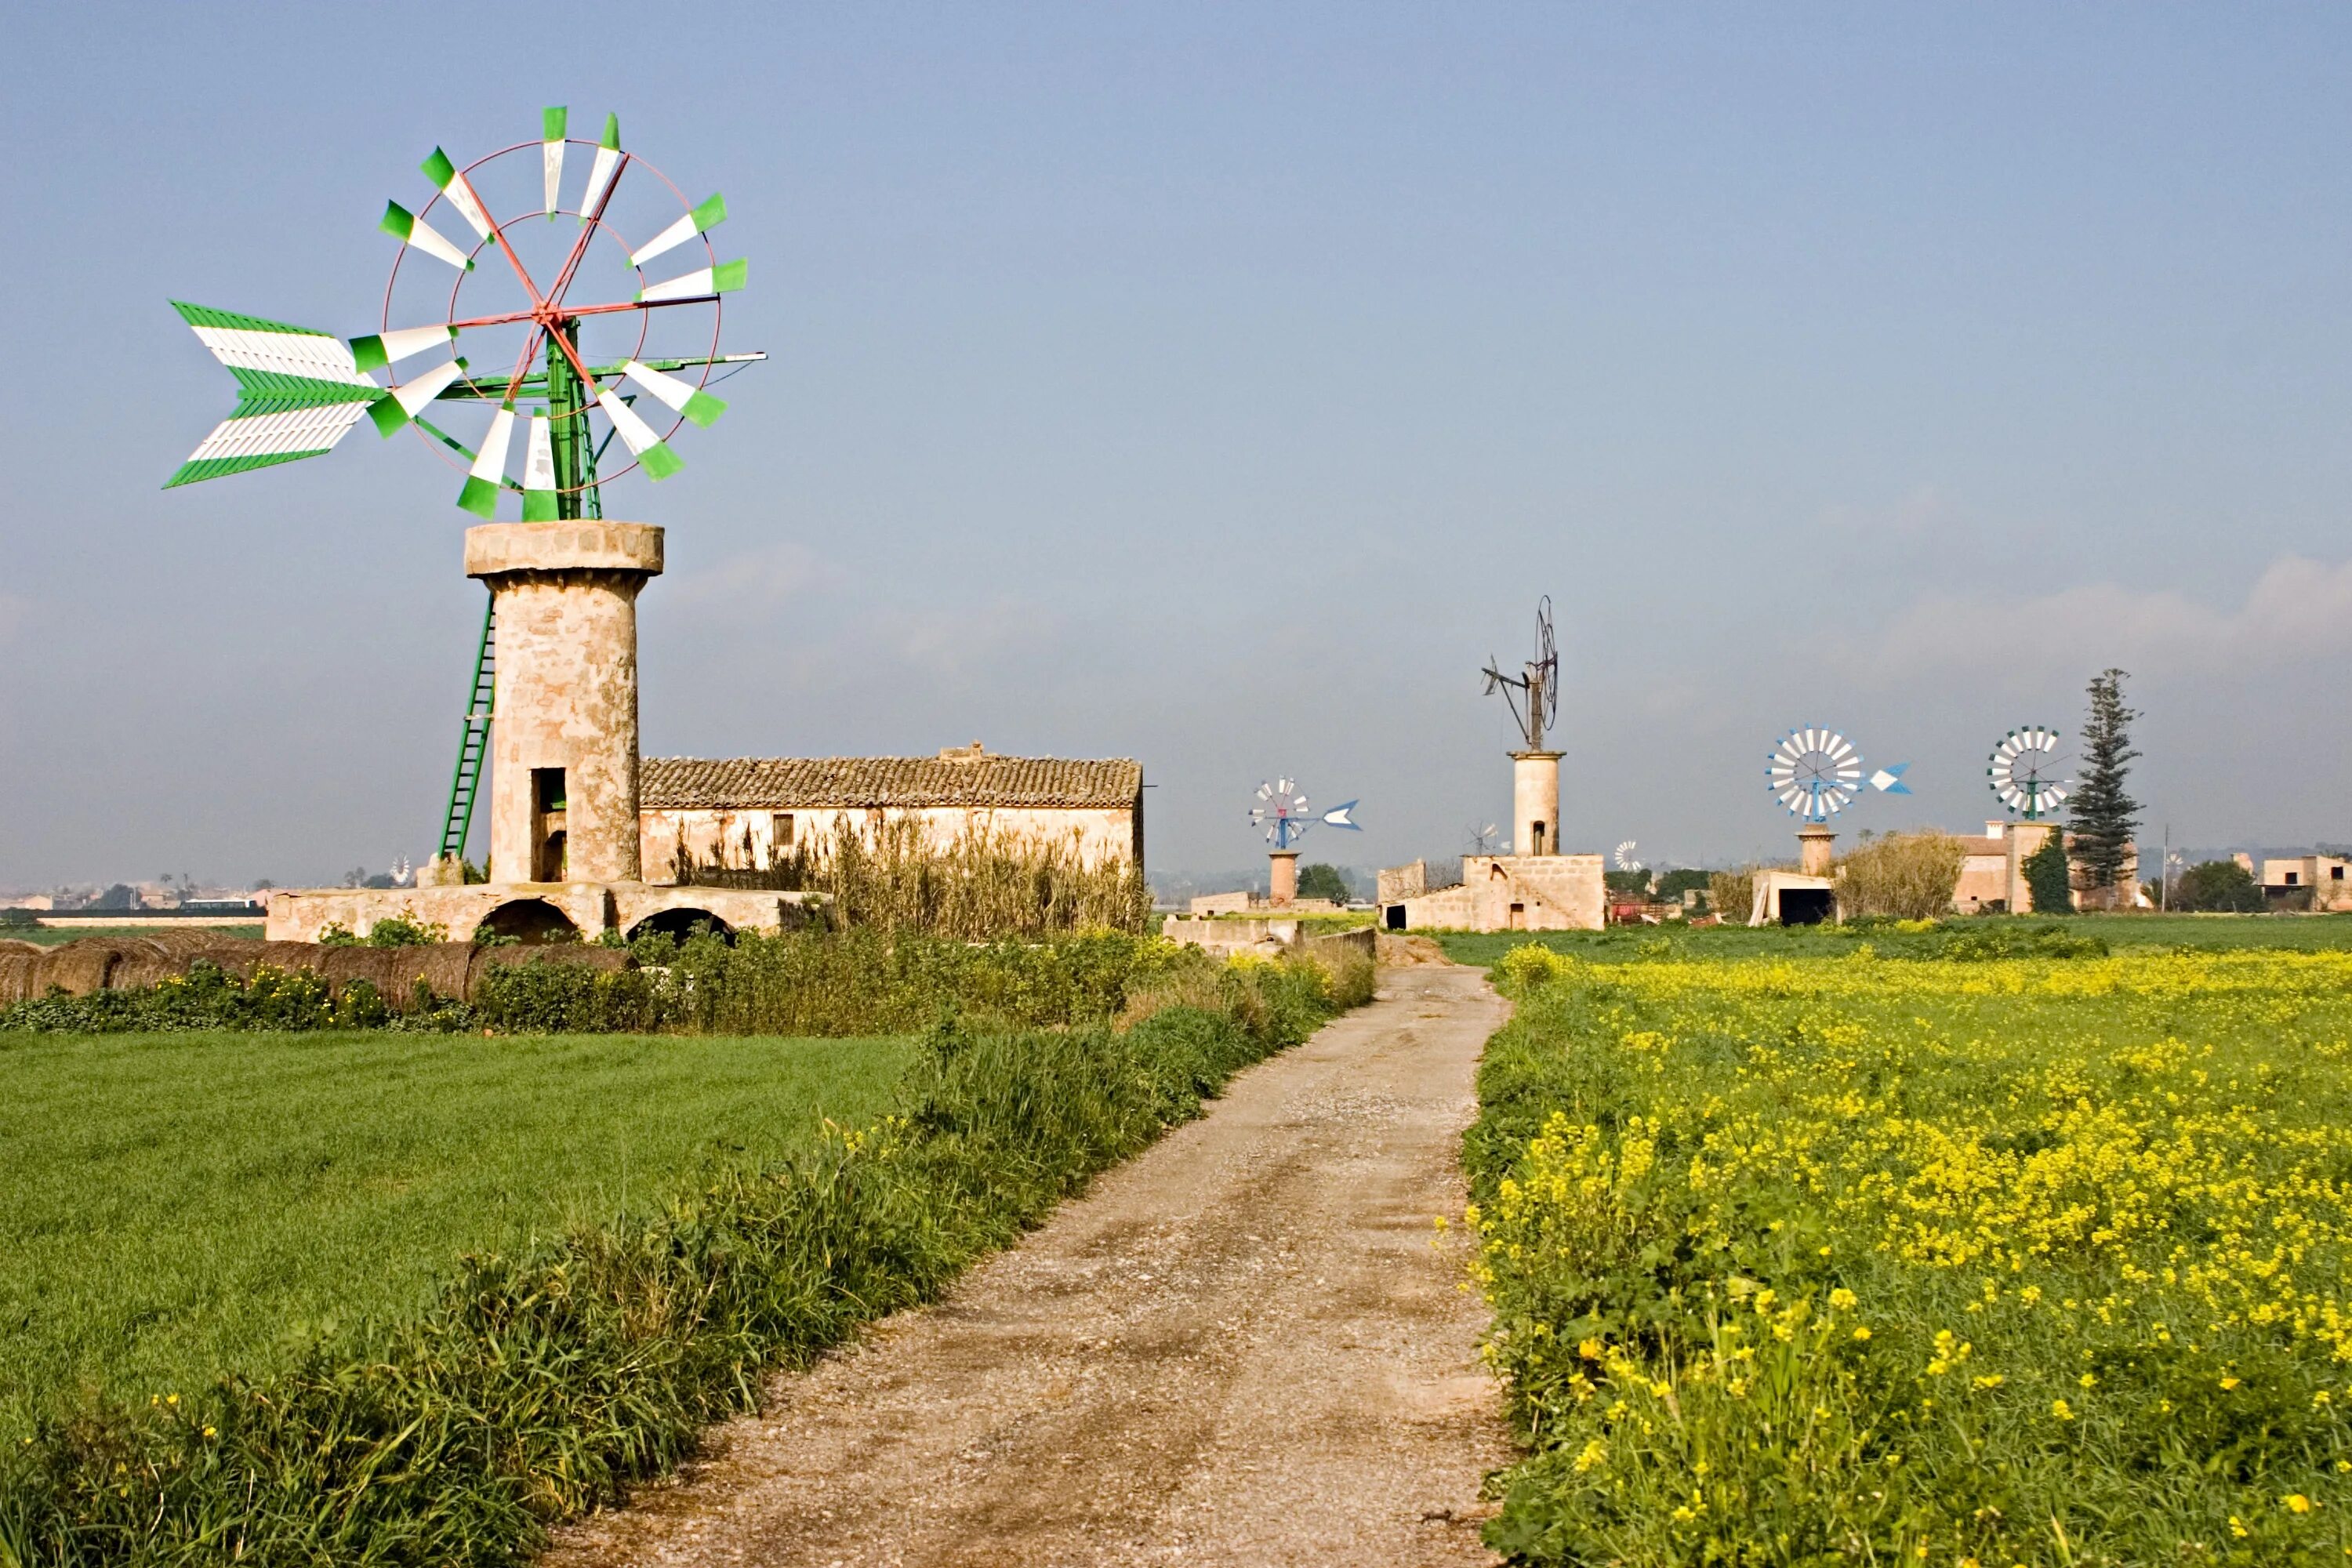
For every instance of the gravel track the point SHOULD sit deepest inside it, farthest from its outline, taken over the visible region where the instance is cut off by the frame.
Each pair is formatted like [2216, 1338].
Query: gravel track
[1245, 1346]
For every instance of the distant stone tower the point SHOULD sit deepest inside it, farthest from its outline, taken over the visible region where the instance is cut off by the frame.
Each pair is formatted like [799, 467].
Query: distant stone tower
[563, 783]
[1534, 803]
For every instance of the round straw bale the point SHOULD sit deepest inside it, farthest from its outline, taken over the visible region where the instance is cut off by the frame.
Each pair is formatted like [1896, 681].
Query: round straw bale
[189, 942]
[339, 967]
[79, 967]
[18, 971]
[143, 966]
[441, 966]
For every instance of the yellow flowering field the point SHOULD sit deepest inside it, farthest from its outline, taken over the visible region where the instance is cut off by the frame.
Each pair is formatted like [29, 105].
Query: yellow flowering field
[1895, 1260]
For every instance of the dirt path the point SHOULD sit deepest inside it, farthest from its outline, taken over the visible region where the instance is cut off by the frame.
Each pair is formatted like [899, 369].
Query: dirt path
[1242, 1347]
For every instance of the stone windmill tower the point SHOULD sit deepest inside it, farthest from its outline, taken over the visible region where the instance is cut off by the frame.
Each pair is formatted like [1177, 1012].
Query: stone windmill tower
[554, 292]
[1534, 698]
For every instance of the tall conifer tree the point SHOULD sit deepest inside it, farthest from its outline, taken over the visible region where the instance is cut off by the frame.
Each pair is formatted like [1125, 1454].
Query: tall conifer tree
[2104, 817]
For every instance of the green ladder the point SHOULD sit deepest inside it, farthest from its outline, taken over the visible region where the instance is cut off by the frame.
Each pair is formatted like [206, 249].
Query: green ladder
[474, 744]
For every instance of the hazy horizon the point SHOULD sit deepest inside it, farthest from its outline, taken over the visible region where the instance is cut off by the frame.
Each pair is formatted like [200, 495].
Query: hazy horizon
[1220, 386]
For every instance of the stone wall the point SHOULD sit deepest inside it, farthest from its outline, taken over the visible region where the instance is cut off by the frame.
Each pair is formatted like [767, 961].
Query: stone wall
[591, 909]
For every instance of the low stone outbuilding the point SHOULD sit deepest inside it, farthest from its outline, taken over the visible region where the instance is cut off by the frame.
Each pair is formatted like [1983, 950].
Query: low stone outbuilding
[1503, 892]
[753, 814]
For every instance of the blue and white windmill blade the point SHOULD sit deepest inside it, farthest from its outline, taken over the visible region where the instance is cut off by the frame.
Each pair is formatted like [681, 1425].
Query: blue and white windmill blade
[1889, 781]
[1342, 817]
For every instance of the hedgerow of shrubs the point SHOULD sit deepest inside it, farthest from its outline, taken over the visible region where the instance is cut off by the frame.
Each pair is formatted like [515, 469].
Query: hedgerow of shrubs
[541, 1386]
[849, 982]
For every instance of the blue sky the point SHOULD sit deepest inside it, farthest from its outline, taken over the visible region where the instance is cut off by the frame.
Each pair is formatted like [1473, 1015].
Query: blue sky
[1220, 386]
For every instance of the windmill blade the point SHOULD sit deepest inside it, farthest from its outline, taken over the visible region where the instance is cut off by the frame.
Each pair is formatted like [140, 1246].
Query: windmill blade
[1889, 781]
[417, 234]
[551, 122]
[701, 284]
[539, 504]
[603, 170]
[1265, 791]
[298, 392]
[644, 445]
[408, 402]
[1342, 816]
[681, 396]
[451, 185]
[480, 495]
[701, 220]
[381, 348]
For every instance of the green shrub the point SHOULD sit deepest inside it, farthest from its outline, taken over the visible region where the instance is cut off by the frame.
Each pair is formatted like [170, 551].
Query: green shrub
[2220, 885]
[2049, 876]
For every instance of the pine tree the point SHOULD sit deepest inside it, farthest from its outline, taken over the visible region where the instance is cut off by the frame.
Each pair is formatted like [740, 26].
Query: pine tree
[2104, 817]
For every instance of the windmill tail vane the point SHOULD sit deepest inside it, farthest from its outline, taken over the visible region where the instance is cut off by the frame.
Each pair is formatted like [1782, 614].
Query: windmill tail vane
[298, 392]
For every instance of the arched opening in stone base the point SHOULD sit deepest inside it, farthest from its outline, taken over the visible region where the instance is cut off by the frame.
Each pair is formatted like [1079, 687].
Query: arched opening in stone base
[680, 924]
[534, 922]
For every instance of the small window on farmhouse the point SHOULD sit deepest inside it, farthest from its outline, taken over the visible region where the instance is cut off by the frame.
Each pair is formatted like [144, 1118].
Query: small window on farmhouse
[2335, 873]
[2292, 878]
[780, 829]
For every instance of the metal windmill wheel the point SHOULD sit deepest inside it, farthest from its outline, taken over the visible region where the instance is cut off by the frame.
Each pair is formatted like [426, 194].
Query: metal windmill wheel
[1815, 773]
[2027, 774]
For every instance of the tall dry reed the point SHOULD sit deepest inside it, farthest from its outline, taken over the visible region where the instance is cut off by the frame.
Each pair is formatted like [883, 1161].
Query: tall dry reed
[989, 881]
[1904, 876]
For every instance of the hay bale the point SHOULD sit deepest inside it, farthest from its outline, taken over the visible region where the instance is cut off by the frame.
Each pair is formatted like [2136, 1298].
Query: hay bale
[145, 962]
[339, 967]
[80, 968]
[443, 967]
[18, 970]
[10, 944]
[193, 943]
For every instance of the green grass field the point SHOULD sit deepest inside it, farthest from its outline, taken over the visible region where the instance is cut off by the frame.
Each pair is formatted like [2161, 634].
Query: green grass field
[1802, 1251]
[179, 1204]
[1619, 943]
[52, 936]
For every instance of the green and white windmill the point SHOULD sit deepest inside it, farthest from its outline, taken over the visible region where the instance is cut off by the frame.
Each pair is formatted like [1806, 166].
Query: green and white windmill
[564, 343]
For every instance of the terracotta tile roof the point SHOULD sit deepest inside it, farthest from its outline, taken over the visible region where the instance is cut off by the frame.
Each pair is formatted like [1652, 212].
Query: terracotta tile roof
[780, 784]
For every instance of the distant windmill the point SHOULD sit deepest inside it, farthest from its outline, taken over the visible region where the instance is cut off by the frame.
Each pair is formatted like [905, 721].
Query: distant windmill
[2027, 773]
[1282, 812]
[1625, 861]
[1483, 840]
[1533, 695]
[1816, 772]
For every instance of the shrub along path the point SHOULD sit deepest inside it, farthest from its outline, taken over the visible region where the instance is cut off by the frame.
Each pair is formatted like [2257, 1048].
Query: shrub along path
[1240, 1347]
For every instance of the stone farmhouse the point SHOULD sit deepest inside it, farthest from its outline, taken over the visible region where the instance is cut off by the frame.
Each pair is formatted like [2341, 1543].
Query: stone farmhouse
[698, 817]
[1994, 872]
[2303, 881]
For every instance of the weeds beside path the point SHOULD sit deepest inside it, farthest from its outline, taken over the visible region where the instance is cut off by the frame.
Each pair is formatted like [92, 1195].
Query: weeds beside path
[1240, 1347]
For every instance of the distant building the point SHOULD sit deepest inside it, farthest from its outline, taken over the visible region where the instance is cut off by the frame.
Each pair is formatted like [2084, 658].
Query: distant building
[1992, 873]
[2304, 881]
[752, 814]
[1497, 892]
